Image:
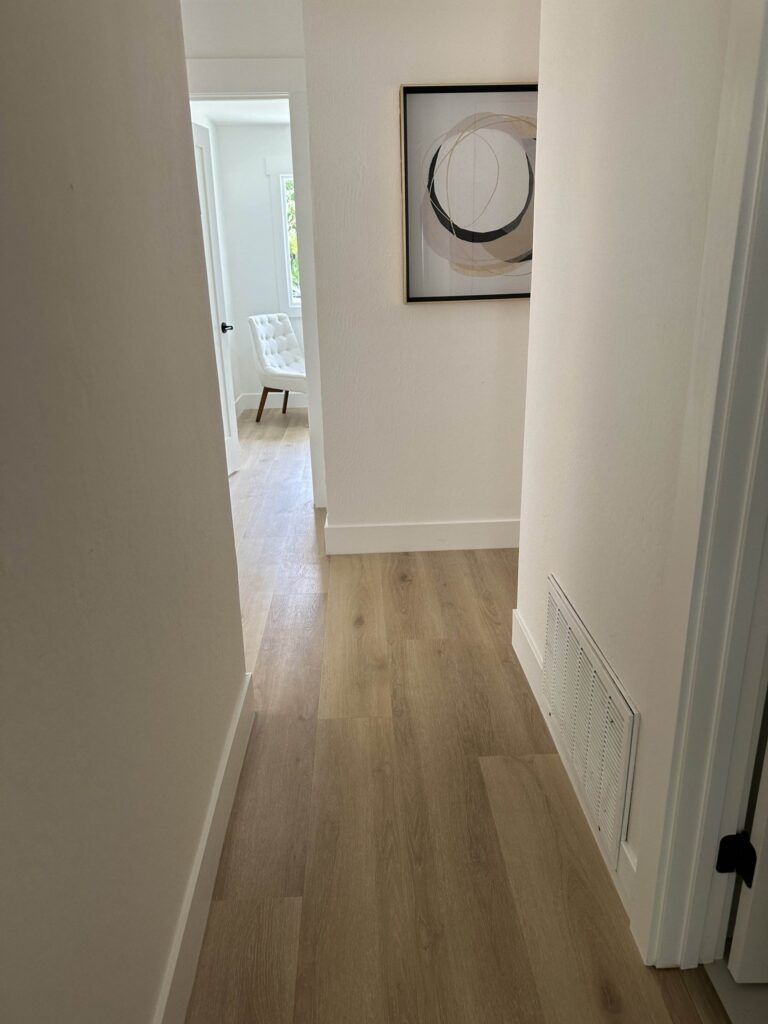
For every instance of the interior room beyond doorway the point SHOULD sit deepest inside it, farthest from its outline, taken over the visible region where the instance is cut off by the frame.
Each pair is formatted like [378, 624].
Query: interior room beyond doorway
[253, 242]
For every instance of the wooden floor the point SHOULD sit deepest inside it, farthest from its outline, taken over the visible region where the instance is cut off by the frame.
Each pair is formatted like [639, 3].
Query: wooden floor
[405, 845]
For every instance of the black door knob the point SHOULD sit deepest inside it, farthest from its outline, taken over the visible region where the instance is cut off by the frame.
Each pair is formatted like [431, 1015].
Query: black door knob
[226, 327]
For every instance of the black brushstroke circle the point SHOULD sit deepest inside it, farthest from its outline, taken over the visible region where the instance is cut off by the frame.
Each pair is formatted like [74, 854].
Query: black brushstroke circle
[464, 233]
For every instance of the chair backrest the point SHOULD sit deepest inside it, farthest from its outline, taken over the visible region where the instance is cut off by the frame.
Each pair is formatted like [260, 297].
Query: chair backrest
[275, 346]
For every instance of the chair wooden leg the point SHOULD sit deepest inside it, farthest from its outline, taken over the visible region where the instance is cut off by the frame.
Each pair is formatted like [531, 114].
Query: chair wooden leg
[262, 403]
[285, 402]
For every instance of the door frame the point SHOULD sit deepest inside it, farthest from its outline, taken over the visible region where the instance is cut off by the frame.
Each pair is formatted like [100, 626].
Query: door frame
[722, 693]
[255, 78]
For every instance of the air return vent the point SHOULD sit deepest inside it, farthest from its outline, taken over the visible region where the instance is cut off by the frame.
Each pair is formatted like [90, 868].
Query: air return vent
[594, 723]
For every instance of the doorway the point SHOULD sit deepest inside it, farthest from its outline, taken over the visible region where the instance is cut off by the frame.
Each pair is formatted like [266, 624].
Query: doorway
[259, 155]
[248, 203]
[250, 206]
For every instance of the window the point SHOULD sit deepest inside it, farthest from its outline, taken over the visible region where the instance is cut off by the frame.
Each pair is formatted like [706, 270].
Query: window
[288, 206]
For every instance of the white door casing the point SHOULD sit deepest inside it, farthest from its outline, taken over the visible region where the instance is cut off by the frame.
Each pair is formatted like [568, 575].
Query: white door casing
[221, 344]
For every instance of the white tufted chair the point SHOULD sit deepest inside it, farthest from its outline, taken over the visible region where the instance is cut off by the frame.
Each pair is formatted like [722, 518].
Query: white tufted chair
[278, 355]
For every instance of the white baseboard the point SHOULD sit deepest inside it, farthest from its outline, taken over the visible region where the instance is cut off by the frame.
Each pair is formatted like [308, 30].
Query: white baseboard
[530, 658]
[532, 664]
[250, 400]
[180, 970]
[369, 538]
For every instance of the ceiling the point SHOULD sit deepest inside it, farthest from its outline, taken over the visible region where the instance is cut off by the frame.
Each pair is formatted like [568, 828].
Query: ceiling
[230, 112]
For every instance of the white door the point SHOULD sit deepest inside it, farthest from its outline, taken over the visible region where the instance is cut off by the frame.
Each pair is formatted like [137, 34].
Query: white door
[748, 958]
[219, 324]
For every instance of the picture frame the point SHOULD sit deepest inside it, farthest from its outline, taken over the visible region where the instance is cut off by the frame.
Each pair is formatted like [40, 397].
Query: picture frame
[468, 181]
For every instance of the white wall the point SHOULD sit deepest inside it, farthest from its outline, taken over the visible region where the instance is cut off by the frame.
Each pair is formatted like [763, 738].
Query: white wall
[247, 223]
[423, 403]
[620, 386]
[243, 28]
[122, 652]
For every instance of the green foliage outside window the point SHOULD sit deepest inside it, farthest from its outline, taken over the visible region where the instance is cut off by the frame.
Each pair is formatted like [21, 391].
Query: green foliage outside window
[293, 244]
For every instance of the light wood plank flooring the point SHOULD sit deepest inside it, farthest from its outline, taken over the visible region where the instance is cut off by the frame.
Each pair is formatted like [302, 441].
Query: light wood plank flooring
[404, 846]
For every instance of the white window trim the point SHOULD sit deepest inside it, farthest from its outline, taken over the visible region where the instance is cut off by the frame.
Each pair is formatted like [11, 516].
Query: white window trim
[278, 171]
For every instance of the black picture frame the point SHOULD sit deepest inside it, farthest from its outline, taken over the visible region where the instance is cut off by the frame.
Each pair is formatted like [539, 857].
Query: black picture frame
[405, 92]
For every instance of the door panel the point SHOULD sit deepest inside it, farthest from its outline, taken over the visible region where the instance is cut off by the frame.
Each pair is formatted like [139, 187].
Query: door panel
[221, 343]
[748, 957]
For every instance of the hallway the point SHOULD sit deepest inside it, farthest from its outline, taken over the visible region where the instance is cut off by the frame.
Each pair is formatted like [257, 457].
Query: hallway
[405, 845]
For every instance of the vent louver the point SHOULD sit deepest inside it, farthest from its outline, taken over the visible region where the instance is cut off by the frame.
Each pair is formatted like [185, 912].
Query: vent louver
[594, 722]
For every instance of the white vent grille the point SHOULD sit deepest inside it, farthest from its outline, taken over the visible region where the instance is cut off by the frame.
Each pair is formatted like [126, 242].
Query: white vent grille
[595, 724]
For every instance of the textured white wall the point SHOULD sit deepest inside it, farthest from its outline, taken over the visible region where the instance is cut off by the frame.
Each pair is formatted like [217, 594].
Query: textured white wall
[122, 657]
[423, 403]
[243, 28]
[244, 191]
[619, 400]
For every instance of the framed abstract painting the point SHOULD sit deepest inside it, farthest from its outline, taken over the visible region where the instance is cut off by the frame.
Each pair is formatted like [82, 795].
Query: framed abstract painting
[469, 159]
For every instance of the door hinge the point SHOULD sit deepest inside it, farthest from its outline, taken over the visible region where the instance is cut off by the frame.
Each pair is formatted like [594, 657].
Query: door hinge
[736, 853]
